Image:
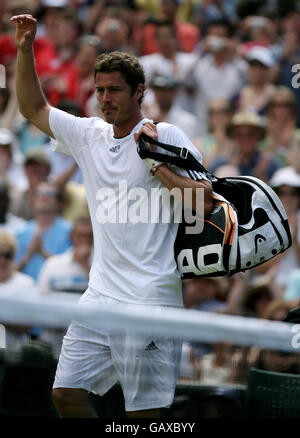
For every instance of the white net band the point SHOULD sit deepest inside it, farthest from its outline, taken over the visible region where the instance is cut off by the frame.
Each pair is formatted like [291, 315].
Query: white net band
[191, 325]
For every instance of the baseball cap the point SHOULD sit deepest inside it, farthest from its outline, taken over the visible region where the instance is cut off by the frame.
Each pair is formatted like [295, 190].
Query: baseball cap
[37, 155]
[6, 137]
[161, 81]
[262, 55]
[285, 176]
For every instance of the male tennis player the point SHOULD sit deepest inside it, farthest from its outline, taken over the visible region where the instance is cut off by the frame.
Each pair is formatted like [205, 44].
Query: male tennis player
[133, 263]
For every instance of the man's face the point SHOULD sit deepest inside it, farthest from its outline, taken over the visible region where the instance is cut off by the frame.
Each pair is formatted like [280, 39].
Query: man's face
[246, 138]
[45, 199]
[166, 40]
[115, 97]
[164, 97]
[36, 172]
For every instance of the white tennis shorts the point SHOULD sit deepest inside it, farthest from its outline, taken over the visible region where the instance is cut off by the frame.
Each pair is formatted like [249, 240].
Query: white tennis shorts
[146, 366]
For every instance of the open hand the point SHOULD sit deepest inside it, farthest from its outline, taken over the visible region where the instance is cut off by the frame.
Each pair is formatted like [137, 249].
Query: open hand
[25, 31]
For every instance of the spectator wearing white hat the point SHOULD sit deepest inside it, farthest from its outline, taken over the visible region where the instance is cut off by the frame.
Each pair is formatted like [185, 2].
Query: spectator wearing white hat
[256, 95]
[286, 183]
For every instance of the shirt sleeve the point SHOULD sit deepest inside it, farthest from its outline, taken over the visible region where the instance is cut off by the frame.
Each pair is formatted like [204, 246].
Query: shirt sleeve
[69, 132]
[176, 137]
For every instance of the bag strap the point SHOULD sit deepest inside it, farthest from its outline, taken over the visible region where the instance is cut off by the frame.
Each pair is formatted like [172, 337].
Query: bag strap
[181, 158]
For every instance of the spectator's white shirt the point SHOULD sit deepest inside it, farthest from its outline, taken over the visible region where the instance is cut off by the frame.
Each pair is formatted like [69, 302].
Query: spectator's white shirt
[17, 283]
[186, 121]
[133, 262]
[62, 273]
[213, 81]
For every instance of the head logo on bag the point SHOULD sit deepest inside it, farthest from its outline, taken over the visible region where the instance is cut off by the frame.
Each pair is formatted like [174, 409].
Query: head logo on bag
[247, 227]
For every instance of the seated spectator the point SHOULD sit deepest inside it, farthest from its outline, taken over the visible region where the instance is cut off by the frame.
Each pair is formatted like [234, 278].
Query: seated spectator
[165, 109]
[258, 30]
[37, 168]
[11, 170]
[257, 297]
[186, 33]
[87, 52]
[49, 13]
[205, 294]
[68, 272]
[58, 75]
[256, 95]
[286, 183]
[43, 46]
[170, 61]
[246, 130]
[45, 235]
[8, 221]
[216, 141]
[60, 163]
[30, 137]
[12, 282]
[113, 34]
[220, 72]
[282, 131]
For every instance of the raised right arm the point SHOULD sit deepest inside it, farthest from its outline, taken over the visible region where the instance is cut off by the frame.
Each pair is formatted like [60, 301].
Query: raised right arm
[32, 102]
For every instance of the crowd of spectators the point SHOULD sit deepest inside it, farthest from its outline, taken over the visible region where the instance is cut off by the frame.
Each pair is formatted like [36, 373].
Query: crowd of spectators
[226, 72]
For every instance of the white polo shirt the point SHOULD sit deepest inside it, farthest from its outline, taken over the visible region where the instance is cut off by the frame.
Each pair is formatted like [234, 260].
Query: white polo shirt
[133, 262]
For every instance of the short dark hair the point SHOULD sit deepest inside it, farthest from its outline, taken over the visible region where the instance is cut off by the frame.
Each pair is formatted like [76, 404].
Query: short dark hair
[159, 24]
[222, 22]
[128, 65]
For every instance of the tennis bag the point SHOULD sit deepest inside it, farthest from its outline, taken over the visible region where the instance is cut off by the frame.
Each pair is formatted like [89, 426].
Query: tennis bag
[247, 226]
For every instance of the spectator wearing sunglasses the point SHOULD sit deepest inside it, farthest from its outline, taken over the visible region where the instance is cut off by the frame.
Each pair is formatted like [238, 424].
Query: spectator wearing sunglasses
[12, 282]
[45, 235]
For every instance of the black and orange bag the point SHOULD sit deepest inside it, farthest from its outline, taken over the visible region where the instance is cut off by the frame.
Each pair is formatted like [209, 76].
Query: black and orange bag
[247, 227]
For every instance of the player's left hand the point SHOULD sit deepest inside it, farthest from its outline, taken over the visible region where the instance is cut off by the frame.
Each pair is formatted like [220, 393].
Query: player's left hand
[149, 129]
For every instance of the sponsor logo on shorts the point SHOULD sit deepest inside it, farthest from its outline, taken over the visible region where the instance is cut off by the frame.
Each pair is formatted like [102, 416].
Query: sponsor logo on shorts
[151, 346]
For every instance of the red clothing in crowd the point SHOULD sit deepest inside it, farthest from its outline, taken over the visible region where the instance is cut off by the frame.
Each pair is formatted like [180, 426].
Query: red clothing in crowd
[187, 35]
